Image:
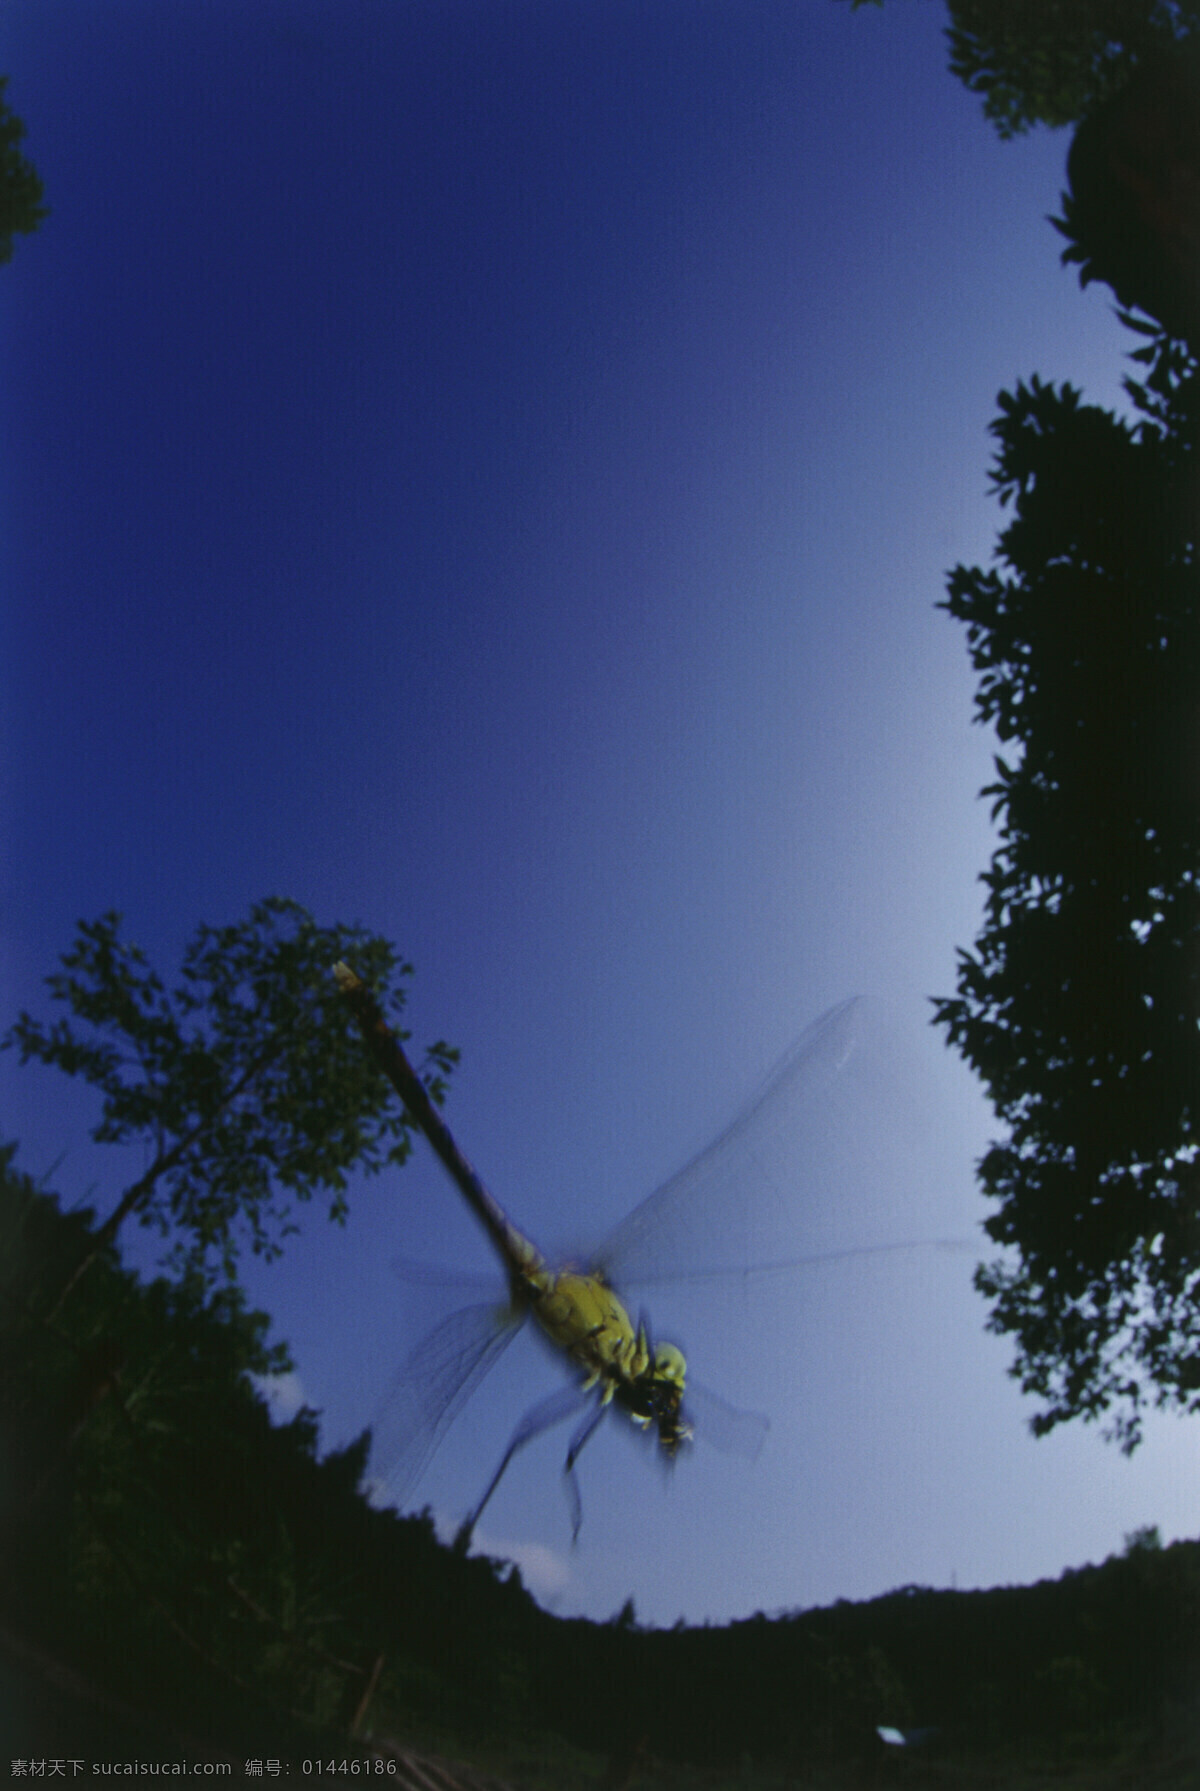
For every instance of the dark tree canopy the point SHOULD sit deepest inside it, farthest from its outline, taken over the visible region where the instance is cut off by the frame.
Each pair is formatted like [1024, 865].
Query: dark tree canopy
[246, 1083]
[21, 205]
[1133, 210]
[1078, 1008]
[1053, 61]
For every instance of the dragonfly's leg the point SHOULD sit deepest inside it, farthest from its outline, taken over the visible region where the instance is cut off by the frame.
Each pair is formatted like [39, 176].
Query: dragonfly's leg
[466, 1531]
[575, 1501]
[584, 1432]
[574, 1498]
[561, 1404]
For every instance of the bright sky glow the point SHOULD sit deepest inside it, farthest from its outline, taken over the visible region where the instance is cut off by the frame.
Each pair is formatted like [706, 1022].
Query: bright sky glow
[487, 470]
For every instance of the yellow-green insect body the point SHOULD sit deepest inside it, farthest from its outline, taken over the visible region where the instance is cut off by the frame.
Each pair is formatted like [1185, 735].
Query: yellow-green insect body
[583, 1317]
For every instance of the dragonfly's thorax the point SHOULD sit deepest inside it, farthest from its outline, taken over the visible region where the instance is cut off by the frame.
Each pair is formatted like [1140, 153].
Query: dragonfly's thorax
[583, 1316]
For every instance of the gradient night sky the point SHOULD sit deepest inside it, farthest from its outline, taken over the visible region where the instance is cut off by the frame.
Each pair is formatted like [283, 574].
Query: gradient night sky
[487, 470]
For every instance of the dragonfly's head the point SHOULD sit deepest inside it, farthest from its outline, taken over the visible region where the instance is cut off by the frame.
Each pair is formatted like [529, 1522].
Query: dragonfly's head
[670, 1366]
[669, 1373]
[655, 1396]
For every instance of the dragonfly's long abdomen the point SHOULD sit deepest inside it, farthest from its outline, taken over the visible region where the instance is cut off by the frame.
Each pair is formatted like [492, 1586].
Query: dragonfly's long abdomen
[519, 1256]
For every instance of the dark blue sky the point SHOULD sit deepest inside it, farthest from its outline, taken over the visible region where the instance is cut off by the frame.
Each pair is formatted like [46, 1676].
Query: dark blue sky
[487, 471]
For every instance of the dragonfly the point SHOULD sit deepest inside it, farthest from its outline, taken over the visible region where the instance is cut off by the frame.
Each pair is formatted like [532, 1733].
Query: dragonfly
[615, 1363]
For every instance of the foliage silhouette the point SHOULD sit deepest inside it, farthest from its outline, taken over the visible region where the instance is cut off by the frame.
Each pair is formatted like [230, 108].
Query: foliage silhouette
[21, 190]
[1078, 1006]
[246, 1081]
[1132, 214]
[1041, 63]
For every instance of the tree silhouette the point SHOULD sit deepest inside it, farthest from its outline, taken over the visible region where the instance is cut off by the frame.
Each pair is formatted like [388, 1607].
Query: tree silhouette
[1133, 211]
[246, 1082]
[21, 205]
[1037, 62]
[1078, 1007]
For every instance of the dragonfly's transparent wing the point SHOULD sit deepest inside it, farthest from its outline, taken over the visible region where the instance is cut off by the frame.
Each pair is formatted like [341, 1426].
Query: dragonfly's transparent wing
[682, 1229]
[436, 1275]
[725, 1426]
[428, 1274]
[432, 1387]
[786, 1265]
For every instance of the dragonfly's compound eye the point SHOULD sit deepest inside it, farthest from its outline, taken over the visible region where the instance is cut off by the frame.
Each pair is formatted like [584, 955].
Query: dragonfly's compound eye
[670, 1364]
